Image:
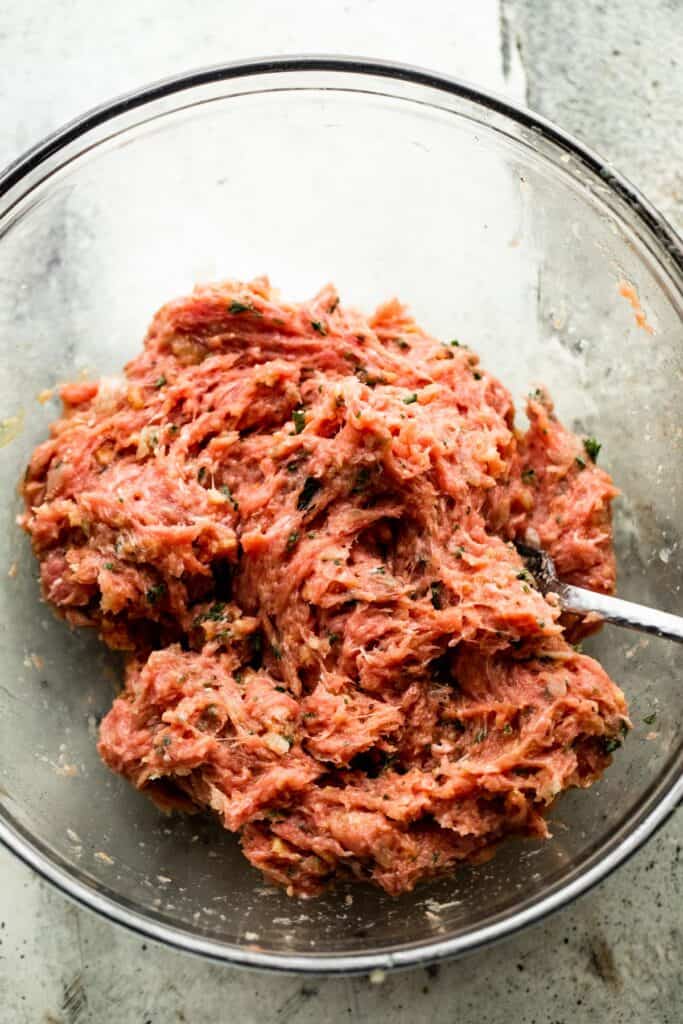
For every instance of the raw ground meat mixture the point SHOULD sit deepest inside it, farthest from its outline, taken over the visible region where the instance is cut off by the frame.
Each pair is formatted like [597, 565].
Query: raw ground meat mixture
[298, 524]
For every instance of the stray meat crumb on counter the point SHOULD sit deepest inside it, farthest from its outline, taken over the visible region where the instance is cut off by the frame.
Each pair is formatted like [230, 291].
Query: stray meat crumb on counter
[298, 524]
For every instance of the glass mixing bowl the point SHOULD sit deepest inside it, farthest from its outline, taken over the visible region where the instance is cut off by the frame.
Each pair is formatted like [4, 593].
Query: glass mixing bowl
[495, 227]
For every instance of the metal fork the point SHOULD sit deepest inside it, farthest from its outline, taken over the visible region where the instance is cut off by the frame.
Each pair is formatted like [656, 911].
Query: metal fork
[611, 609]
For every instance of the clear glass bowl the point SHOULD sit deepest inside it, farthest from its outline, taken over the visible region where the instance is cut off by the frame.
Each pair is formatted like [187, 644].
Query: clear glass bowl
[495, 227]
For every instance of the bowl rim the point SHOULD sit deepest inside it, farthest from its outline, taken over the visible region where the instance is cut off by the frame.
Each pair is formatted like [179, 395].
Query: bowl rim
[428, 951]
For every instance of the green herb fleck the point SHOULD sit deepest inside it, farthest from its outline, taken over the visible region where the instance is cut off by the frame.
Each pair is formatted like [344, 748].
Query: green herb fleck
[155, 592]
[319, 326]
[437, 597]
[228, 494]
[529, 476]
[240, 307]
[476, 374]
[592, 446]
[507, 729]
[292, 539]
[455, 343]
[160, 381]
[402, 343]
[650, 719]
[308, 492]
[333, 638]
[109, 566]
[215, 612]
[410, 399]
[277, 653]
[610, 744]
[299, 419]
[581, 463]
[202, 474]
[281, 689]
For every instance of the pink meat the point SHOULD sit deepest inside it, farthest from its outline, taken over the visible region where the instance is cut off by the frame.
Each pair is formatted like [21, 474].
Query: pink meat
[298, 523]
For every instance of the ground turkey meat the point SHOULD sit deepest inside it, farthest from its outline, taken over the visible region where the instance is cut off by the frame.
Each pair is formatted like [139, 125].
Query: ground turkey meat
[298, 523]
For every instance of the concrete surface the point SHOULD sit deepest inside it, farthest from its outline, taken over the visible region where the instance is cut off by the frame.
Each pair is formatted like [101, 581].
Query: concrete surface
[609, 73]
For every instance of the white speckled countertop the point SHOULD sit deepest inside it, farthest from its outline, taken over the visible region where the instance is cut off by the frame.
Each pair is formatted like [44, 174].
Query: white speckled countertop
[612, 74]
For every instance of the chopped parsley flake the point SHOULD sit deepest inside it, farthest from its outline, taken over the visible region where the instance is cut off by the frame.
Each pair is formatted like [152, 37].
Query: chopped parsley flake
[410, 399]
[319, 326]
[160, 381]
[292, 539]
[240, 307]
[299, 420]
[228, 494]
[610, 744]
[155, 592]
[581, 463]
[592, 446]
[437, 598]
[650, 719]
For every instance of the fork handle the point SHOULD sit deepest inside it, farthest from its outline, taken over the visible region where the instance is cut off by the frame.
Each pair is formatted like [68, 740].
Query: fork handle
[621, 613]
